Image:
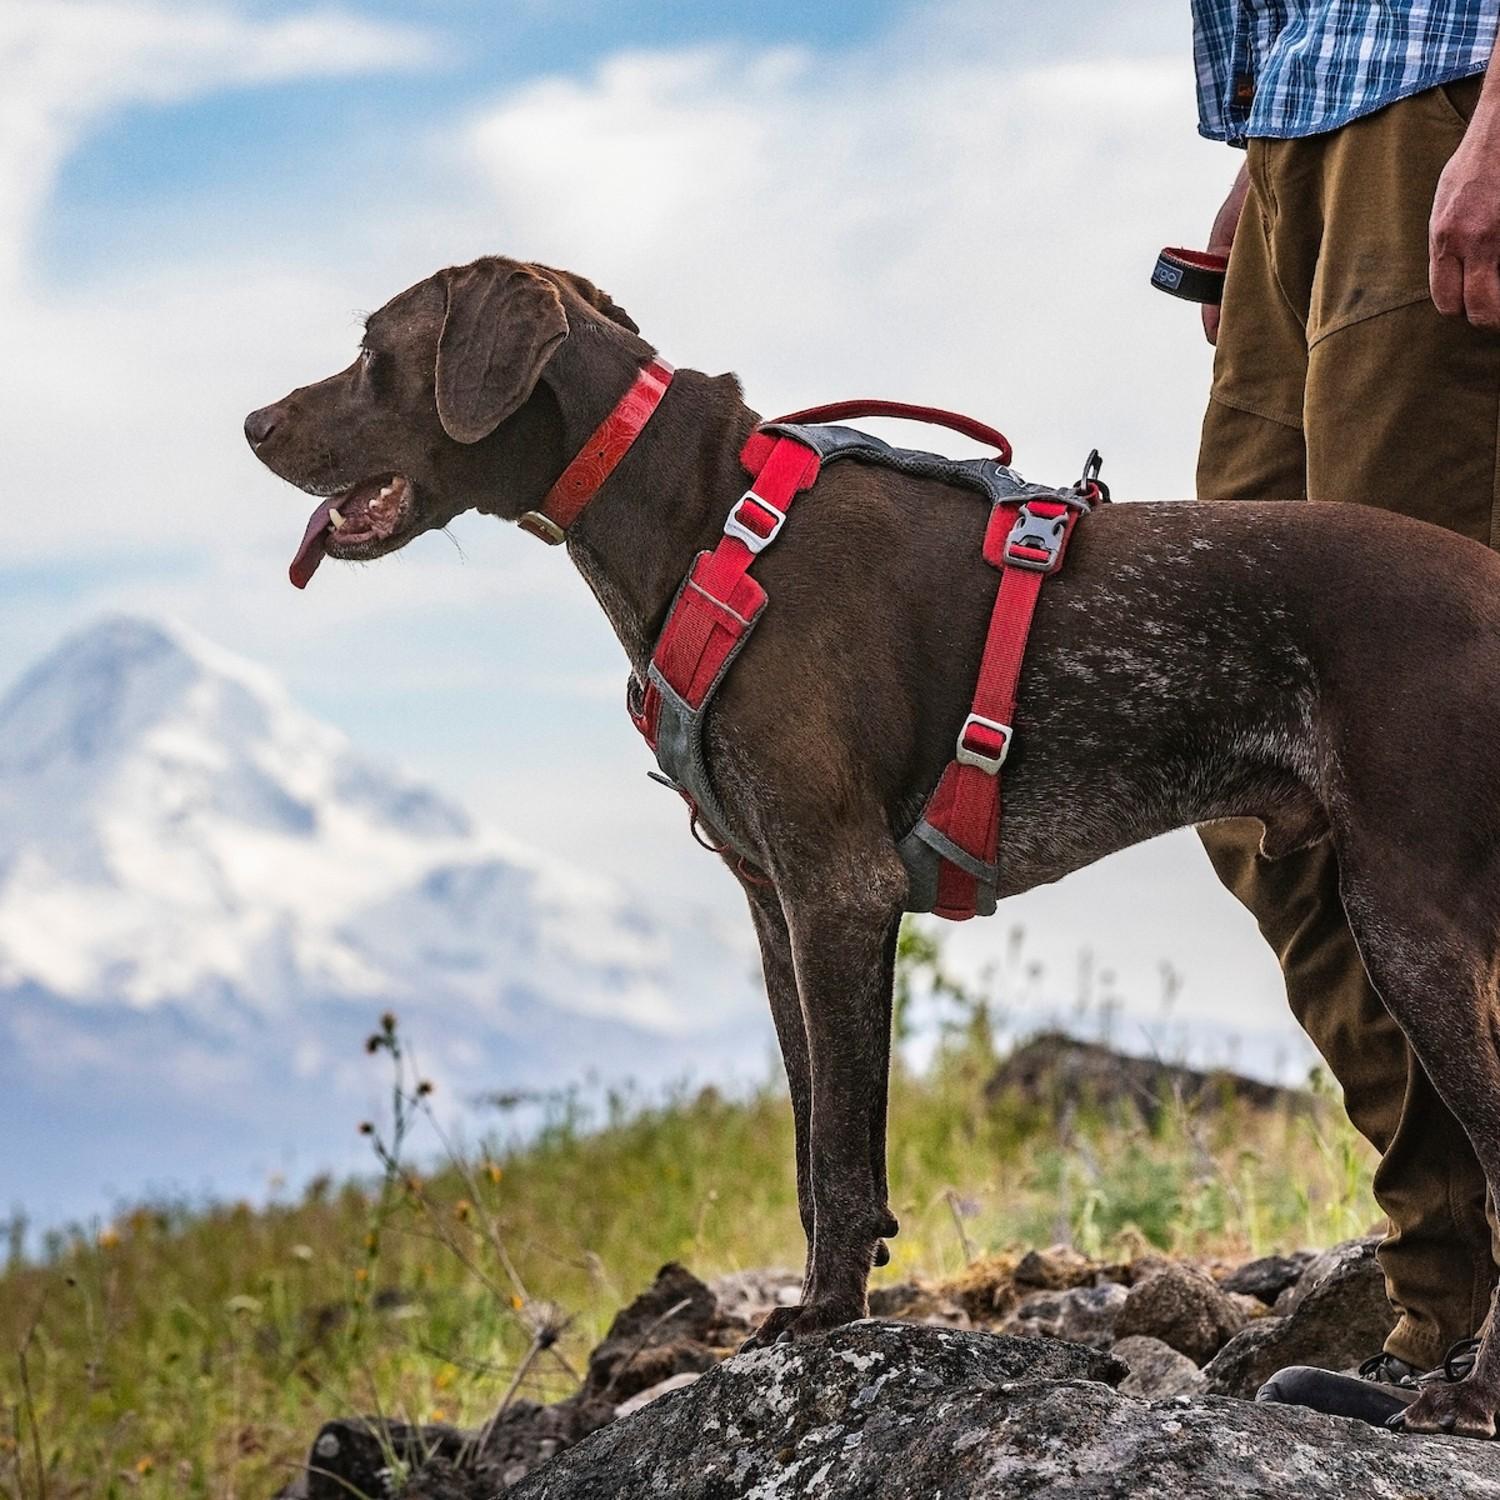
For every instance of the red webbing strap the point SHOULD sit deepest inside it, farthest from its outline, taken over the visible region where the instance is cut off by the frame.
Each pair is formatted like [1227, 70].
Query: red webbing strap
[965, 808]
[719, 600]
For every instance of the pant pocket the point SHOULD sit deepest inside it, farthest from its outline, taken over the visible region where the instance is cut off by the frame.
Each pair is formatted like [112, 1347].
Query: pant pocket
[1461, 97]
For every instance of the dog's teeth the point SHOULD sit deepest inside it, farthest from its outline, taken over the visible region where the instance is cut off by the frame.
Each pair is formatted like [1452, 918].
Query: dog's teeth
[390, 489]
[336, 518]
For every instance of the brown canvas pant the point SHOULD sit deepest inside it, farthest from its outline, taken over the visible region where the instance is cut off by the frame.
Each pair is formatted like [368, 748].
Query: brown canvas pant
[1336, 379]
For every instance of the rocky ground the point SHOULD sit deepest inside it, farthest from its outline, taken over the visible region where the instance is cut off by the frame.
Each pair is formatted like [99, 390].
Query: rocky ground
[1044, 1375]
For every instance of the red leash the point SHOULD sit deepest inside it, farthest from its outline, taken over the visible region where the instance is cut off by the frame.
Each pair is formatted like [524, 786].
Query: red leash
[839, 411]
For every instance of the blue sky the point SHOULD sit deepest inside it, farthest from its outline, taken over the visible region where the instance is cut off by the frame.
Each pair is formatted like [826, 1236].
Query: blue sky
[955, 201]
[205, 155]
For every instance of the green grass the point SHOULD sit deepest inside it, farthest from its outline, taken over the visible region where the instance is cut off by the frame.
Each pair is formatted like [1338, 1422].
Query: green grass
[194, 1353]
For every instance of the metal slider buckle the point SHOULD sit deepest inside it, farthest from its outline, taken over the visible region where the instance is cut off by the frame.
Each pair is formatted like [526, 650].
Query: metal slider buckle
[543, 528]
[989, 764]
[1036, 542]
[756, 541]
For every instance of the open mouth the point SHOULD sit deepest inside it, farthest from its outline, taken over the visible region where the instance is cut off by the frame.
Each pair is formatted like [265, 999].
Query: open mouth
[358, 523]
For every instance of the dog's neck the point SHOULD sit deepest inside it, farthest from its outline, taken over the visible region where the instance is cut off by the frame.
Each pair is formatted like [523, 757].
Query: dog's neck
[665, 502]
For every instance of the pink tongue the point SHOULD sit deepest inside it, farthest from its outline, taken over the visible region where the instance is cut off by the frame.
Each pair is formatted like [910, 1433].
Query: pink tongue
[311, 552]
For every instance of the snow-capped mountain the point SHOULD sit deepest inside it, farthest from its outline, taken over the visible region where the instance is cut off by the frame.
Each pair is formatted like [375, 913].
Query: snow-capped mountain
[206, 896]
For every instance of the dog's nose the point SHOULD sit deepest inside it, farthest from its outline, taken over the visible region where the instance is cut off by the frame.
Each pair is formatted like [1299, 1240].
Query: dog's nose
[259, 425]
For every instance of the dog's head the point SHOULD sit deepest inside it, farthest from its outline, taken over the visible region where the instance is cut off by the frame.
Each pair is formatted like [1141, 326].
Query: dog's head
[446, 408]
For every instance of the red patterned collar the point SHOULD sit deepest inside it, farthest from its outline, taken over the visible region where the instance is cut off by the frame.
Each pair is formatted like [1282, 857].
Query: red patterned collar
[599, 456]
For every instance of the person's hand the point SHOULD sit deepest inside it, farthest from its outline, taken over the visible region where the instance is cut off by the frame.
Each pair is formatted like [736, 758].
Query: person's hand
[1221, 240]
[1464, 234]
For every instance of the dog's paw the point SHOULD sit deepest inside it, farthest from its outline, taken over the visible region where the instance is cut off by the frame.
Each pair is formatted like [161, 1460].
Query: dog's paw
[773, 1325]
[1463, 1408]
[784, 1324]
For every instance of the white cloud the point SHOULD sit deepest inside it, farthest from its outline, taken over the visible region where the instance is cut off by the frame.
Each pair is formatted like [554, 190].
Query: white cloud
[947, 228]
[65, 62]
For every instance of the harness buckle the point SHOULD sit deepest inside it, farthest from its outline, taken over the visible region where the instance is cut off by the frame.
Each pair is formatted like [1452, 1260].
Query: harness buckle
[1036, 541]
[1090, 488]
[976, 744]
[755, 540]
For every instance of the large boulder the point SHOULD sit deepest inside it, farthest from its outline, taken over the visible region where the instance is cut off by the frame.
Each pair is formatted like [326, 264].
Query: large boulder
[1336, 1315]
[887, 1412]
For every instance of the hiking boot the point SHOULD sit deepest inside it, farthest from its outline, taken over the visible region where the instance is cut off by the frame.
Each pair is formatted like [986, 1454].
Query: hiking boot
[1383, 1389]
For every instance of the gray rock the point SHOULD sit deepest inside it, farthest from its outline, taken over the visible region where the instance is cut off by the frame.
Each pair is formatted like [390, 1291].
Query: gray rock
[900, 1412]
[745, 1297]
[1081, 1315]
[1253, 1356]
[909, 1302]
[1183, 1307]
[1055, 1269]
[1250, 1308]
[1267, 1278]
[1350, 1261]
[667, 1330]
[644, 1398]
[1058, 1073]
[353, 1456]
[1336, 1315]
[1156, 1369]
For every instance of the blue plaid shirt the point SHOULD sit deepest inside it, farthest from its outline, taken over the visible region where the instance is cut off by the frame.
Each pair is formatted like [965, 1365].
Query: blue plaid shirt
[1299, 67]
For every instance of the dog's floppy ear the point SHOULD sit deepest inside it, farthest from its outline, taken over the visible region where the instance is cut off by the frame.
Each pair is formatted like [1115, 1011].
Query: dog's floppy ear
[502, 325]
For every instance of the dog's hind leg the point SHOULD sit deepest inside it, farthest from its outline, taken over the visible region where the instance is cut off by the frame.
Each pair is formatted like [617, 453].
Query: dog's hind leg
[1434, 962]
[843, 919]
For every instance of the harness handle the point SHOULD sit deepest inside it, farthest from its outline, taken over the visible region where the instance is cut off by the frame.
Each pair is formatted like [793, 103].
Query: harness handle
[837, 411]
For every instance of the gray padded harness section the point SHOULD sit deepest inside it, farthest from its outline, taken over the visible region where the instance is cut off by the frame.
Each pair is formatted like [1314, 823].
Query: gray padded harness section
[987, 475]
[679, 749]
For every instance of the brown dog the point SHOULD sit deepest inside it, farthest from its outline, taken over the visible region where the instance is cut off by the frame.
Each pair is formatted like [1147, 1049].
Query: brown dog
[1332, 671]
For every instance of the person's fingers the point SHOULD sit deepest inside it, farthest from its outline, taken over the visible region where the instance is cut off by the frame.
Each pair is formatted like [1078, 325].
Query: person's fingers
[1446, 276]
[1482, 293]
[1211, 322]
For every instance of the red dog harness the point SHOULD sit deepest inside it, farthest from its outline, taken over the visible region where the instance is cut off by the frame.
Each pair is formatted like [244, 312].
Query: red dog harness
[952, 851]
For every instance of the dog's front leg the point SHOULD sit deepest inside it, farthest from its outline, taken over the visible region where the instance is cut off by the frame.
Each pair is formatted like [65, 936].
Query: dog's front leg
[843, 919]
[786, 1012]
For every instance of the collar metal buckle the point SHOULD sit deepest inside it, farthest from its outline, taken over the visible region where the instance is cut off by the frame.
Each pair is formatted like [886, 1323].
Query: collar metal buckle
[543, 528]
